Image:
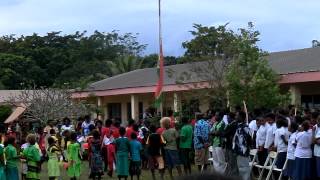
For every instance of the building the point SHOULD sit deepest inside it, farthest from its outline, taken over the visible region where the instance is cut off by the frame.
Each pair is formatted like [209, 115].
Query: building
[128, 95]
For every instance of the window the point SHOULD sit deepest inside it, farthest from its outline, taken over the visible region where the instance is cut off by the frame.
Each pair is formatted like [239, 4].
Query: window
[114, 110]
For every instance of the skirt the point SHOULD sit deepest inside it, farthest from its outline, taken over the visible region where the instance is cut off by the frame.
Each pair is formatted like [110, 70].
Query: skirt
[318, 166]
[289, 171]
[281, 159]
[302, 168]
[172, 158]
[53, 168]
[2, 173]
[122, 164]
[12, 173]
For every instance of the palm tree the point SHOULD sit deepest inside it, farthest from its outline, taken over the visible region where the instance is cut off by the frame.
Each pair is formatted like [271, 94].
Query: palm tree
[125, 64]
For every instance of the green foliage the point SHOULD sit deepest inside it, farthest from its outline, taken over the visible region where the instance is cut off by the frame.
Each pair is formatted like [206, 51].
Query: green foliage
[55, 60]
[5, 111]
[233, 65]
[125, 64]
[250, 78]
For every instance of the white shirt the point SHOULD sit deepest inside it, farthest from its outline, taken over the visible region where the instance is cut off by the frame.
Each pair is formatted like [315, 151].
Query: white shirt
[85, 127]
[261, 135]
[304, 141]
[291, 146]
[69, 128]
[270, 135]
[253, 127]
[316, 151]
[278, 141]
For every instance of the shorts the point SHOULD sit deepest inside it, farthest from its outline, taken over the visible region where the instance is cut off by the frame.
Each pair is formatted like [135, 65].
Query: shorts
[172, 158]
[201, 156]
[135, 168]
[156, 162]
[185, 156]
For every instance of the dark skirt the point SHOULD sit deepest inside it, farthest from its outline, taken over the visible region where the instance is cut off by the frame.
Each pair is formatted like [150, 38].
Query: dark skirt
[281, 159]
[172, 158]
[290, 168]
[318, 166]
[135, 168]
[302, 168]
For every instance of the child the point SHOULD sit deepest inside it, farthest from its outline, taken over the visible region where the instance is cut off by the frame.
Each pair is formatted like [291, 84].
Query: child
[24, 166]
[155, 143]
[172, 159]
[109, 153]
[281, 141]
[73, 153]
[12, 160]
[291, 149]
[135, 150]
[270, 118]
[261, 140]
[303, 153]
[122, 154]
[96, 163]
[316, 132]
[53, 153]
[2, 164]
[32, 155]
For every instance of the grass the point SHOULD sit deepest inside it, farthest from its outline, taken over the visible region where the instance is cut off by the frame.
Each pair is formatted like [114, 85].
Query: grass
[146, 174]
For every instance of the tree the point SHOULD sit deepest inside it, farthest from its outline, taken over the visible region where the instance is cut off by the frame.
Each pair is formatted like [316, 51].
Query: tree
[209, 54]
[125, 64]
[233, 67]
[250, 78]
[5, 111]
[54, 60]
[43, 105]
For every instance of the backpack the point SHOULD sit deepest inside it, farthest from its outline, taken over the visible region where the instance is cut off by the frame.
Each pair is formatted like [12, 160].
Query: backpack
[242, 140]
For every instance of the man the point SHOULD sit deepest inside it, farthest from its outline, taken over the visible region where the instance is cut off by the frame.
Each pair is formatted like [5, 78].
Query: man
[231, 157]
[218, 154]
[201, 142]
[185, 144]
[241, 146]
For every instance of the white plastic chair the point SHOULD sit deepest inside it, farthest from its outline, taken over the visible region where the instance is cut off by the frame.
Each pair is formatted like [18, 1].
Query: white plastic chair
[278, 170]
[268, 165]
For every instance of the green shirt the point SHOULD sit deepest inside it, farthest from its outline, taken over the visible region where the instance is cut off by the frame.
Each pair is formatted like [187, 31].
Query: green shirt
[122, 145]
[11, 156]
[186, 136]
[217, 127]
[170, 136]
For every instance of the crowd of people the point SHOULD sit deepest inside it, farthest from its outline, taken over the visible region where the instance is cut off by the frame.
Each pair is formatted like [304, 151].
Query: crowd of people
[109, 147]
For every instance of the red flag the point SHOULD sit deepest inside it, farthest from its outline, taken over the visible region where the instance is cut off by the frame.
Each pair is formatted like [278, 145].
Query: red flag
[158, 91]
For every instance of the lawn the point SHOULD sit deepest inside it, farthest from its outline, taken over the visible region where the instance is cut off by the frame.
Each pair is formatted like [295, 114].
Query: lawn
[146, 175]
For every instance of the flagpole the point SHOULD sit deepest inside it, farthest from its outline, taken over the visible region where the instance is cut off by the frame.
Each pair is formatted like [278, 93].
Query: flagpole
[158, 90]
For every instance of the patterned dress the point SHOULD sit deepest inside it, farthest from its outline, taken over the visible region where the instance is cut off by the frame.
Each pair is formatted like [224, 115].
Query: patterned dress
[2, 167]
[12, 172]
[32, 156]
[53, 162]
[96, 162]
[74, 161]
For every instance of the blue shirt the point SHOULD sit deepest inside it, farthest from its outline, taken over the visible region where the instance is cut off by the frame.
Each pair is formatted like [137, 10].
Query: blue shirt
[135, 148]
[201, 129]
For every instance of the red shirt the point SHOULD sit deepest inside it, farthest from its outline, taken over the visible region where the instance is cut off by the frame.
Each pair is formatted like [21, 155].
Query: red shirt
[115, 132]
[160, 130]
[129, 131]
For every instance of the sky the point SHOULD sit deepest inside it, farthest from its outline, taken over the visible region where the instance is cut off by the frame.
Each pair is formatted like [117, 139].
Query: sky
[283, 24]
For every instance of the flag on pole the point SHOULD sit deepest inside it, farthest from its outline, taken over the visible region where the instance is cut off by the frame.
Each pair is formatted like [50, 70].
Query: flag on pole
[160, 70]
